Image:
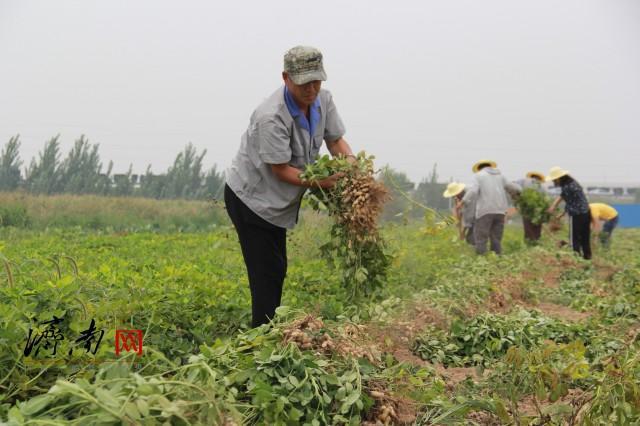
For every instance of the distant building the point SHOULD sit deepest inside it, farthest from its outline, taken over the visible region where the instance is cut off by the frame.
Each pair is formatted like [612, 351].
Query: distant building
[619, 191]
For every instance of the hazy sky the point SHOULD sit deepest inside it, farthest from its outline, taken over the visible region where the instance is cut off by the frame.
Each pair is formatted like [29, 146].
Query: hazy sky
[529, 84]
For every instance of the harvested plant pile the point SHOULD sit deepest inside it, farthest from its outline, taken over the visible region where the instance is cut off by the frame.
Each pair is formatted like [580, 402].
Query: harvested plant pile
[355, 203]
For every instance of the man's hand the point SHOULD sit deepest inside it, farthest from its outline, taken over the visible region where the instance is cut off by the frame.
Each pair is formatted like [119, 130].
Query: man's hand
[289, 174]
[328, 183]
[554, 205]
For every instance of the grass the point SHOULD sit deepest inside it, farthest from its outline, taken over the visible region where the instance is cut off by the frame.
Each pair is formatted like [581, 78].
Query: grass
[202, 365]
[113, 213]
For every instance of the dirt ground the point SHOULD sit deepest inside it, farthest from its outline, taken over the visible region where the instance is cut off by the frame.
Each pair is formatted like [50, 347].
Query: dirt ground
[397, 337]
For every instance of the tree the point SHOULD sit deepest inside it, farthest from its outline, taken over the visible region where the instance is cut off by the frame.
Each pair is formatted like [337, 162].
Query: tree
[103, 183]
[82, 168]
[10, 163]
[151, 185]
[185, 178]
[213, 184]
[123, 183]
[429, 192]
[44, 175]
[398, 184]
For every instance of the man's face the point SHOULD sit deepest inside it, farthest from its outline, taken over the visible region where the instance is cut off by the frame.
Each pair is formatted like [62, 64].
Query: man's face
[303, 94]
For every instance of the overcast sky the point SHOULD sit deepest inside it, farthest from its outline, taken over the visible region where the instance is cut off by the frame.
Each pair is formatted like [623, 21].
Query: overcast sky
[529, 84]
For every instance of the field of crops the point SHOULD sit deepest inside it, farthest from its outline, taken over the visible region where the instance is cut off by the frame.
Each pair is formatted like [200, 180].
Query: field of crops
[536, 336]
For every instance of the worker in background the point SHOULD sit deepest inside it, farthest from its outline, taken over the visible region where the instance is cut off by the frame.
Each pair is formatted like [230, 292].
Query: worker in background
[465, 214]
[532, 231]
[490, 192]
[576, 206]
[604, 219]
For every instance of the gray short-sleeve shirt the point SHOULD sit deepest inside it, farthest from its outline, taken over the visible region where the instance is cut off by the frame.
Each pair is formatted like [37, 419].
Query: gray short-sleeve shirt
[274, 137]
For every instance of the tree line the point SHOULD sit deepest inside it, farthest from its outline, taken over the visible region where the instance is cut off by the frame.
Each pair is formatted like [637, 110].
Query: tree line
[82, 172]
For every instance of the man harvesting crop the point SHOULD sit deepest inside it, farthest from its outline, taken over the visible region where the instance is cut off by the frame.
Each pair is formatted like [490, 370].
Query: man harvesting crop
[263, 189]
[604, 219]
[533, 204]
[490, 192]
[464, 213]
[576, 206]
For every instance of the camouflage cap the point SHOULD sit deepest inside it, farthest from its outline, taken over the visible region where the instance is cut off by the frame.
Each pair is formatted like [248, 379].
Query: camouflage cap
[304, 64]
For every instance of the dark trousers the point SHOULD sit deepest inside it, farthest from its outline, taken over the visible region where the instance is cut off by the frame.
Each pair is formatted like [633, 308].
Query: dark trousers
[468, 235]
[488, 227]
[264, 248]
[581, 234]
[607, 230]
[531, 231]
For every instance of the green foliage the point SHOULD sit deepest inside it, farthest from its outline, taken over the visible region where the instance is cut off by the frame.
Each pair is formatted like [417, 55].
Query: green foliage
[109, 213]
[10, 165]
[429, 192]
[355, 247]
[213, 184]
[81, 172]
[617, 397]
[397, 182]
[487, 337]
[201, 365]
[122, 183]
[44, 176]
[546, 373]
[533, 204]
[252, 377]
[14, 215]
[184, 178]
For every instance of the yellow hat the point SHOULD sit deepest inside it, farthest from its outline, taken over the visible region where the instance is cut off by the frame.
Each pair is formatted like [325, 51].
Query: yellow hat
[556, 173]
[536, 175]
[453, 189]
[481, 162]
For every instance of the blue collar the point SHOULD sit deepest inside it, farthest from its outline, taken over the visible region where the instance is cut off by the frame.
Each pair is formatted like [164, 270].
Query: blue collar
[299, 116]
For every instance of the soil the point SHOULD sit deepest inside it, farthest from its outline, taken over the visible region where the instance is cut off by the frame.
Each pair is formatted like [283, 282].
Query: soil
[396, 338]
[562, 312]
[604, 272]
[575, 397]
[455, 375]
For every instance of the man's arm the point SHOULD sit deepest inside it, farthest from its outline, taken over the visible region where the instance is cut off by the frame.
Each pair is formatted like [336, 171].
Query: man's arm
[511, 187]
[290, 174]
[554, 205]
[339, 146]
[471, 194]
[458, 206]
[595, 224]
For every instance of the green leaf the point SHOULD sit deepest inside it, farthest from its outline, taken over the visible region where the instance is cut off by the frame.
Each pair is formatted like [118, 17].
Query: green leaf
[501, 412]
[35, 405]
[143, 407]
[295, 414]
[558, 409]
[131, 410]
[352, 398]
[15, 415]
[294, 381]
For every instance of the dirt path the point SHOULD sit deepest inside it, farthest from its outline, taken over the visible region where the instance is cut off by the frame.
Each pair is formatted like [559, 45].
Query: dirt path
[397, 337]
[562, 312]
